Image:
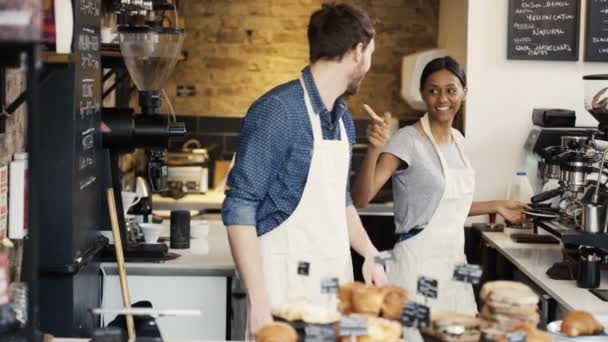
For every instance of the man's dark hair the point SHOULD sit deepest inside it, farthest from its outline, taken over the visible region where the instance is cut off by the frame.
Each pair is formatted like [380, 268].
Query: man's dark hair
[336, 28]
[447, 63]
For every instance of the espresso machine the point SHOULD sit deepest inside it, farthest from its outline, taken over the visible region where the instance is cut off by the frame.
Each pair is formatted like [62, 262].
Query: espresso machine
[150, 53]
[578, 168]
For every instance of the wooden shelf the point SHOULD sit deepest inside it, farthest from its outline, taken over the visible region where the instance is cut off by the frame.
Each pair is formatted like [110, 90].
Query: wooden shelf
[59, 58]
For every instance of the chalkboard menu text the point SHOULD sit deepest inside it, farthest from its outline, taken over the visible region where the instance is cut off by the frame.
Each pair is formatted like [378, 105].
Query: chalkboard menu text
[543, 30]
[596, 36]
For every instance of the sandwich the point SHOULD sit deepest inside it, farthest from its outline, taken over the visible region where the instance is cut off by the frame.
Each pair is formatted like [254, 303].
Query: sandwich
[454, 327]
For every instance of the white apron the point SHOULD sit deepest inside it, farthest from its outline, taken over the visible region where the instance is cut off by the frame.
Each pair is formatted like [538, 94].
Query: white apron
[435, 250]
[316, 232]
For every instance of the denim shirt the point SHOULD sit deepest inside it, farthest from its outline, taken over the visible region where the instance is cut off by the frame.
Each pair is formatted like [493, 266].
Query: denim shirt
[273, 157]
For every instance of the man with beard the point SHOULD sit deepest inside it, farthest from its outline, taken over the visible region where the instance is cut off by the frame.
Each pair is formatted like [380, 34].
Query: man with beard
[288, 206]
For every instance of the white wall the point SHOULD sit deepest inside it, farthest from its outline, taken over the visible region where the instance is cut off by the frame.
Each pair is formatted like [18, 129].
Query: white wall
[503, 92]
[452, 35]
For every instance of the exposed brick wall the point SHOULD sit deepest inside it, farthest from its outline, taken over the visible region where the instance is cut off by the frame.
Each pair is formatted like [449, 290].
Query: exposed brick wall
[13, 140]
[240, 49]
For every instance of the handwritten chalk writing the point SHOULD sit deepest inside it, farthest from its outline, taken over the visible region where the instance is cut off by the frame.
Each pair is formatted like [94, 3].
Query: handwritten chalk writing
[523, 26]
[88, 42]
[531, 4]
[600, 39]
[89, 7]
[522, 40]
[87, 142]
[86, 161]
[547, 32]
[88, 181]
[88, 108]
[89, 60]
[87, 87]
[557, 4]
[549, 17]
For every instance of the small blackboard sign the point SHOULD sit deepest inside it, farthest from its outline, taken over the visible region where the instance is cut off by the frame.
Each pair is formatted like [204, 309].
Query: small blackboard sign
[303, 268]
[415, 314]
[543, 30]
[319, 333]
[353, 326]
[517, 336]
[427, 287]
[596, 33]
[423, 316]
[467, 273]
[409, 314]
[330, 285]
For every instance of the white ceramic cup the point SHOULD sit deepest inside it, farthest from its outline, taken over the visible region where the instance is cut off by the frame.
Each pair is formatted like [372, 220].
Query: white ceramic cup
[129, 199]
[151, 231]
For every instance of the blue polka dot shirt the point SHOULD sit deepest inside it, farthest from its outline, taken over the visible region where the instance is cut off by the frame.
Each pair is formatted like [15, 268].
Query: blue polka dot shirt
[273, 156]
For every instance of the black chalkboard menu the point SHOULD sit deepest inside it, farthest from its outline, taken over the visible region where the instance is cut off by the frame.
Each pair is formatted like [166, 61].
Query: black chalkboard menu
[543, 30]
[87, 43]
[596, 33]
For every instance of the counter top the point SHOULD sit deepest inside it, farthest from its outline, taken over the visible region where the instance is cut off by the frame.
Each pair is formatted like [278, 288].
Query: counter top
[534, 260]
[210, 200]
[208, 256]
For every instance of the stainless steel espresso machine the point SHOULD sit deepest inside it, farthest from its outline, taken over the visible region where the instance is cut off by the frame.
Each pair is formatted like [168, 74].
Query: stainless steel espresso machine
[575, 209]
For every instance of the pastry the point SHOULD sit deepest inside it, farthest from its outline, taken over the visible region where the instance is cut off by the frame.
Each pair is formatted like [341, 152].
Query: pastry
[277, 332]
[394, 299]
[367, 300]
[578, 322]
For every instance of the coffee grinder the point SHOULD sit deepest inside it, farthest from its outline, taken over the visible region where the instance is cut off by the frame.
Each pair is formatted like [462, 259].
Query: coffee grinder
[150, 54]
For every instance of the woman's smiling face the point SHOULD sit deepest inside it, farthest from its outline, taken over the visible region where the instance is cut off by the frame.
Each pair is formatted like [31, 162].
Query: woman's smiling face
[443, 94]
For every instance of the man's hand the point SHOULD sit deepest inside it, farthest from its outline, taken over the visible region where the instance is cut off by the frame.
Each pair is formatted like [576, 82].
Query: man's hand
[377, 129]
[512, 211]
[373, 273]
[260, 314]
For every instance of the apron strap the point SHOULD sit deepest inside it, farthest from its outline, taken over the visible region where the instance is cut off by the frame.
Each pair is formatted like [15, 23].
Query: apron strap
[315, 120]
[426, 127]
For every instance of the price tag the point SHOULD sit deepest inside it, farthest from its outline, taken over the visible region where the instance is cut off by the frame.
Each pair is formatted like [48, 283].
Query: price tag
[423, 315]
[353, 326]
[319, 333]
[330, 285]
[384, 256]
[427, 287]
[303, 268]
[517, 336]
[409, 314]
[467, 273]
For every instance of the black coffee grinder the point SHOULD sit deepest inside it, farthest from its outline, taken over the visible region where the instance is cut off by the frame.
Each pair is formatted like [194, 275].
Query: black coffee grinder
[150, 54]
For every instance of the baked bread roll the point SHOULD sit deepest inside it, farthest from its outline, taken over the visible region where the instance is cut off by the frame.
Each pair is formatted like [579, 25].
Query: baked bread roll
[367, 300]
[578, 322]
[277, 332]
[346, 296]
[394, 299]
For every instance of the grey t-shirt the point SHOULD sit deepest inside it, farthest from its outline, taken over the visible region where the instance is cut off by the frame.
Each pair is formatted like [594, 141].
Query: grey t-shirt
[418, 189]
